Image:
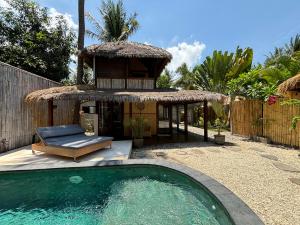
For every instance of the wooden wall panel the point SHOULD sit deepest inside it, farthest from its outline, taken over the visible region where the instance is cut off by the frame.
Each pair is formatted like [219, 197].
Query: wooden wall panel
[19, 120]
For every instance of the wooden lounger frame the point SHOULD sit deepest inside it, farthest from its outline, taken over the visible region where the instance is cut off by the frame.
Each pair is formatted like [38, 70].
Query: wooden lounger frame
[70, 152]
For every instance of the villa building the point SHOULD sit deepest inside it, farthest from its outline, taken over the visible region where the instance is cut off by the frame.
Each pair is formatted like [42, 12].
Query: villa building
[125, 76]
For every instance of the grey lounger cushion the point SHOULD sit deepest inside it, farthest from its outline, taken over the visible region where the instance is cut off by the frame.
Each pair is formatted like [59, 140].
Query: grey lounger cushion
[75, 141]
[58, 131]
[68, 136]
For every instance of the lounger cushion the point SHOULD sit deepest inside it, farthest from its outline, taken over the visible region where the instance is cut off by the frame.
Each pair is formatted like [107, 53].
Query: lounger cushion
[75, 141]
[58, 131]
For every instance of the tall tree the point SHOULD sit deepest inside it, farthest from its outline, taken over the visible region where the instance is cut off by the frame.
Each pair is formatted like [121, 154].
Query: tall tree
[186, 78]
[293, 46]
[80, 44]
[116, 24]
[32, 40]
[80, 62]
[165, 80]
[285, 59]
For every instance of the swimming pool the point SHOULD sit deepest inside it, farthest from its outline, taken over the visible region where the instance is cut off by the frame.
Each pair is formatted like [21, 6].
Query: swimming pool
[130, 194]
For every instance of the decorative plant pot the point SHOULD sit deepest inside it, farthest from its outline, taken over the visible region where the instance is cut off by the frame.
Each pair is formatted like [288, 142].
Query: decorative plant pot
[138, 143]
[220, 139]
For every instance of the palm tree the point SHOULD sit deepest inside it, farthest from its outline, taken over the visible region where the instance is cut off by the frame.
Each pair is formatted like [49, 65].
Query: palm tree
[116, 26]
[216, 70]
[80, 63]
[285, 55]
[293, 46]
[186, 80]
[165, 80]
[80, 44]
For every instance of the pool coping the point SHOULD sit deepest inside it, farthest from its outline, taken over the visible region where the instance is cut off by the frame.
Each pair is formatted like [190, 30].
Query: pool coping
[239, 211]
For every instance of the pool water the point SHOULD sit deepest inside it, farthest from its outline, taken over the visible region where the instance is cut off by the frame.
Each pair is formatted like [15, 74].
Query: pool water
[133, 195]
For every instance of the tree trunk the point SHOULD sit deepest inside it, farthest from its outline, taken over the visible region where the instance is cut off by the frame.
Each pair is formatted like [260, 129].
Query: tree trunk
[80, 46]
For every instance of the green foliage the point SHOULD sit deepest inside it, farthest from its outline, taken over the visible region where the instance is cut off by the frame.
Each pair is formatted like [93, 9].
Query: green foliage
[137, 126]
[216, 70]
[296, 118]
[219, 124]
[258, 83]
[87, 79]
[186, 80]
[286, 58]
[30, 40]
[116, 26]
[165, 80]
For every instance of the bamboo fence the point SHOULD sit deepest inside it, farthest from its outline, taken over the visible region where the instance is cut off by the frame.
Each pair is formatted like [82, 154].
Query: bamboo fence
[256, 118]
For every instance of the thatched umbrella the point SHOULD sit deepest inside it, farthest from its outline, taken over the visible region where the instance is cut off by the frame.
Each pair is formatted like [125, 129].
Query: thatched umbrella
[292, 84]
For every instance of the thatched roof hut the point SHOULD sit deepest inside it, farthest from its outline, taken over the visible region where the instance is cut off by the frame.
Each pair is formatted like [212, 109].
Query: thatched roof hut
[292, 84]
[125, 49]
[89, 93]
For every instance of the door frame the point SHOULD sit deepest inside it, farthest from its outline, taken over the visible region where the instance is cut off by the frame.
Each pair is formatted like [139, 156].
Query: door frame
[110, 130]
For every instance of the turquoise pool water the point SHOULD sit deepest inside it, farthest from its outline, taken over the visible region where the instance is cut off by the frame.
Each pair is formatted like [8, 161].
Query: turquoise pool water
[123, 195]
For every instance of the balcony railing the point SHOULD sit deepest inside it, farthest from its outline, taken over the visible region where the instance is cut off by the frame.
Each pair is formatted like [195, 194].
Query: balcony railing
[130, 83]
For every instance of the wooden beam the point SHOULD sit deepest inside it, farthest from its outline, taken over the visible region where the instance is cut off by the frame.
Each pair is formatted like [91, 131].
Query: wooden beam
[157, 118]
[177, 117]
[170, 119]
[130, 110]
[205, 120]
[94, 70]
[50, 113]
[98, 112]
[185, 119]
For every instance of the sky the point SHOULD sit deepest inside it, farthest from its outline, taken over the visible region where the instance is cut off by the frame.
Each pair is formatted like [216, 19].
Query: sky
[193, 29]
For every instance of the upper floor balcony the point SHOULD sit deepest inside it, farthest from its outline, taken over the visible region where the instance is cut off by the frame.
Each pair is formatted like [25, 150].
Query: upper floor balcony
[125, 83]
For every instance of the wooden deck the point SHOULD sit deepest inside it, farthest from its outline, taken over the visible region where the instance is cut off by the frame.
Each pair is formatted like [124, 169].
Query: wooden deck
[120, 151]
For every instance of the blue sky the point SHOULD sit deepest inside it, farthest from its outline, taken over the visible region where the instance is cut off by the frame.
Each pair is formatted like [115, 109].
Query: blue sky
[192, 29]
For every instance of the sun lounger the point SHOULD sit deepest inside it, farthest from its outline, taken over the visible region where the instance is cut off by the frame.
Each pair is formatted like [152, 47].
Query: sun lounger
[69, 141]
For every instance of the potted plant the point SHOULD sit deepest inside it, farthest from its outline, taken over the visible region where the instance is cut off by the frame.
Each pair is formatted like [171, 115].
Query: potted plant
[219, 138]
[137, 126]
[219, 122]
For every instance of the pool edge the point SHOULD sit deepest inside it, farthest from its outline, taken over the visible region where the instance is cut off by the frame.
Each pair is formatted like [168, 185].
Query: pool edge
[238, 210]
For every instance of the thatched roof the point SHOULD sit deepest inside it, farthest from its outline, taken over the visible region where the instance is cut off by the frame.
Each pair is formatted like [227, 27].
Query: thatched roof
[126, 49]
[292, 84]
[90, 94]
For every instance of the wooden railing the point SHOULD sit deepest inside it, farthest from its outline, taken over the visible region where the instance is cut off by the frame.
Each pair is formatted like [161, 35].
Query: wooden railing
[122, 83]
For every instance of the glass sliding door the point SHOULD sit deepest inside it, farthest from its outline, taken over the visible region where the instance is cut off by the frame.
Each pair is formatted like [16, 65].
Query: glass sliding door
[111, 119]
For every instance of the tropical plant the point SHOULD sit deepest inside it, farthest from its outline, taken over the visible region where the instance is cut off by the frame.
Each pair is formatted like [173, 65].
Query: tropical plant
[80, 43]
[186, 79]
[259, 83]
[137, 126]
[293, 46]
[216, 70]
[165, 80]
[219, 124]
[287, 57]
[34, 41]
[87, 79]
[116, 26]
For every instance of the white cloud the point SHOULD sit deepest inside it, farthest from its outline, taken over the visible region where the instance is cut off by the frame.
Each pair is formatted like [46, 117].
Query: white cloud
[185, 53]
[68, 17]
[3, 3]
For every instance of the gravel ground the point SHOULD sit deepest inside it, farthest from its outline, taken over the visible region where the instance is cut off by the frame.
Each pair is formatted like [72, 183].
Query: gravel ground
[265, 177]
